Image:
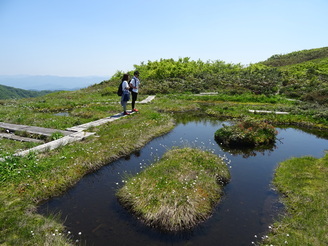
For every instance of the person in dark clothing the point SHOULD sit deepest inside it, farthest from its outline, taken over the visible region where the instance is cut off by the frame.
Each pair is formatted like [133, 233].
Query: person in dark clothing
[135, 83]
[126, 93]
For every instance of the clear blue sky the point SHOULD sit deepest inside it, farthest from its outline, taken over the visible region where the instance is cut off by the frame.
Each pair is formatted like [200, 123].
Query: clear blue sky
[99, 37]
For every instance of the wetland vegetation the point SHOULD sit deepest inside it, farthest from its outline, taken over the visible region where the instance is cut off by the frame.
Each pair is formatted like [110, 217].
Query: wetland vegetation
[26, 181]
[303, 183]
[178, 191]
[246, 133]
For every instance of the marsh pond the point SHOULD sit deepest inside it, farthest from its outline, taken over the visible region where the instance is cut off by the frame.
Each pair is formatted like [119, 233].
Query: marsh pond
[250, 204]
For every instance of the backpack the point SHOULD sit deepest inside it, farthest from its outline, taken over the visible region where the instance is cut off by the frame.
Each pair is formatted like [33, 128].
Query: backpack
[119, 90]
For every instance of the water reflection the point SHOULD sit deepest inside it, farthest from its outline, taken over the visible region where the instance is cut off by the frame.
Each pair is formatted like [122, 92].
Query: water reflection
[62, 114]
[248, 152]
[247, 209]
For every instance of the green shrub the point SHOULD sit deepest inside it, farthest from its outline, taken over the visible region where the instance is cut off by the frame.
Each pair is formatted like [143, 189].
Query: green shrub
[319, 96]
[246, 133]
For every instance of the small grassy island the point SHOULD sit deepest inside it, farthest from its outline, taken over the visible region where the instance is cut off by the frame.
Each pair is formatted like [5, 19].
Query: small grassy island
[246, 133]
[178, 191]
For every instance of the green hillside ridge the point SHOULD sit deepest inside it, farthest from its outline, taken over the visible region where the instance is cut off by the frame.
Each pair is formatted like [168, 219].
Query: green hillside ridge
[296, 57]
[7, 92]
[305, 74]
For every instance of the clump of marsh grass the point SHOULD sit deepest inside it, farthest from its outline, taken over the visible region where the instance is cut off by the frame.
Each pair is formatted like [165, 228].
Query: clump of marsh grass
[178, 191]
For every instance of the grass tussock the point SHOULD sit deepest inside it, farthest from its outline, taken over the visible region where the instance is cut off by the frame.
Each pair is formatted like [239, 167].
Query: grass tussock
[178, 191]
[303, 181]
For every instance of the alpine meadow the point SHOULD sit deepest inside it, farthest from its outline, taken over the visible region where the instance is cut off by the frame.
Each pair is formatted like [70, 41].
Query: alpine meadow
[294, 83]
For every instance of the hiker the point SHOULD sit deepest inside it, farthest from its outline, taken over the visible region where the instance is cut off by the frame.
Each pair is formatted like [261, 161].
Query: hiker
[134, 83]
[126, 93]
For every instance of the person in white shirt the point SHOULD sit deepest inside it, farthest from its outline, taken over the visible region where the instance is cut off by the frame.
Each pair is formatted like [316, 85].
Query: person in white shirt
[126, 93]
[134, 83]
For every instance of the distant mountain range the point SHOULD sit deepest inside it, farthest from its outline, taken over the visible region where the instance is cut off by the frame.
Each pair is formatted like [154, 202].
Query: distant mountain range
[48, 82]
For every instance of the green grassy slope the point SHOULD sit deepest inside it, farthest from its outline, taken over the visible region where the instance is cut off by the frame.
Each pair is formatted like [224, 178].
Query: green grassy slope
[305, 74]
[297, 57]
[7, 92]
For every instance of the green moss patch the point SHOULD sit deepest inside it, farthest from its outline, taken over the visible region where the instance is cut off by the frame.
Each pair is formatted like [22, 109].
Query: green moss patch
[178, 191]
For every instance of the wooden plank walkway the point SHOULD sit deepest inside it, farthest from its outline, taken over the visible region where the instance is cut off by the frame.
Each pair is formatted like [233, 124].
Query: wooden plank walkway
[147, 100]
[71, 134]
[85, 126]
[19, 138]
[32, 129]
[266, 112]
[76, 136]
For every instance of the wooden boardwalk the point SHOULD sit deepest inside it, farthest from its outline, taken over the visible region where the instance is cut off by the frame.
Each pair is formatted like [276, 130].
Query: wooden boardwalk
[266, 112]
[72, 134]
[32, 129]
[19, 138]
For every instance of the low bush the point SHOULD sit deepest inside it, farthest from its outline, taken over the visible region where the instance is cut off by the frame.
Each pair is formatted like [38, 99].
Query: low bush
[246, 133]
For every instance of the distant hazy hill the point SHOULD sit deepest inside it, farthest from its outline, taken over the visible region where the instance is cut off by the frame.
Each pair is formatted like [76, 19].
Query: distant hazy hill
[297, 57]
[39, 83]
[7, 92]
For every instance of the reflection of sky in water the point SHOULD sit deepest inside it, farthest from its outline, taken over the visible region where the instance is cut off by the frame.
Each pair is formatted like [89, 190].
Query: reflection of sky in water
[62, 114]
[246, 210]
[303, 143]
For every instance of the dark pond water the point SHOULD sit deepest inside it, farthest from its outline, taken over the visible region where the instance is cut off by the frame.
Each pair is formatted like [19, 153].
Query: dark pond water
[243, 216]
